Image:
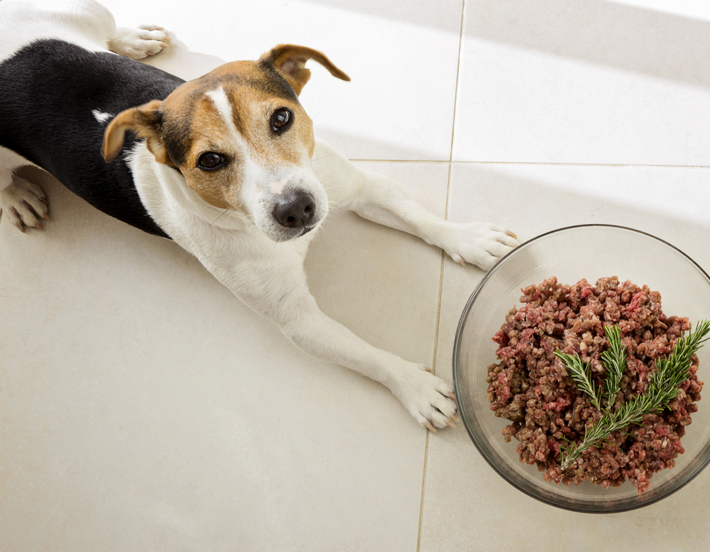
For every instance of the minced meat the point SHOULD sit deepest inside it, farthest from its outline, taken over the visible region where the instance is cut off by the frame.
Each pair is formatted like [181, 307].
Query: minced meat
[530, 386]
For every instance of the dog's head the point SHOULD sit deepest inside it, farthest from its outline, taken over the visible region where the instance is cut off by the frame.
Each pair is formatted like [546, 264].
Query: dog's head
[240, 138]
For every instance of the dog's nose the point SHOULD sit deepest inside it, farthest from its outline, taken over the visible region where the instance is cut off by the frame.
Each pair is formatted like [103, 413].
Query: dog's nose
[294, 209]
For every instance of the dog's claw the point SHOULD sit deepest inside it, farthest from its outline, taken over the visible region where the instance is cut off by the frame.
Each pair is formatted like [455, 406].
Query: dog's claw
[430, 427]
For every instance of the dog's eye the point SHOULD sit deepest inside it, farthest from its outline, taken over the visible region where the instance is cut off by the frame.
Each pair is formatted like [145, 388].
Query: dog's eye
[210, 161]
[281, 120]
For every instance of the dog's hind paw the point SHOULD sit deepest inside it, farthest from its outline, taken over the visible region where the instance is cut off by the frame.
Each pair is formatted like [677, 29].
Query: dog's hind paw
[23, 203]
[429, 399]
[140, 43]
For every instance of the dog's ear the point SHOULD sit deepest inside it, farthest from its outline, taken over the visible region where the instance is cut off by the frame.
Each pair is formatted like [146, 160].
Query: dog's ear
[290, 61]
[145, 122]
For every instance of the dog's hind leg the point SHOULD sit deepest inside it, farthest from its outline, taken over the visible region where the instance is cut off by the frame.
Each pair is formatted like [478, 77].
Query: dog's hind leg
[22, 203]
[95, 23]
[140, 43]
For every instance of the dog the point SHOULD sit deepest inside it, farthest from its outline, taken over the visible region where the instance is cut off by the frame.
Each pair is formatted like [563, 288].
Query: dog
[226, 165]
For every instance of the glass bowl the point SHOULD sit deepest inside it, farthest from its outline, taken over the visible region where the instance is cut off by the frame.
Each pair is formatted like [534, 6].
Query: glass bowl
[570, 254]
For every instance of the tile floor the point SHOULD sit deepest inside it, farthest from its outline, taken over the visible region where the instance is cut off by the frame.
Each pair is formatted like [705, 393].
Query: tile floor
[143, 408]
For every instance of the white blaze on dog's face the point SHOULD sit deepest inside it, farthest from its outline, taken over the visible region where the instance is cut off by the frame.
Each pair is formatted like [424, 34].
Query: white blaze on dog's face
[241, 139]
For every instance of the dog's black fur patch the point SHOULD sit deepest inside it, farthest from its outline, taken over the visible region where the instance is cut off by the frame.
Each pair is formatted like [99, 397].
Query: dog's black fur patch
[48, 91]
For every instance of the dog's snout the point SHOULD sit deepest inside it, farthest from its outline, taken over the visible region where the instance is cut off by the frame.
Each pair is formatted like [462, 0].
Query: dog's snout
[294, 209]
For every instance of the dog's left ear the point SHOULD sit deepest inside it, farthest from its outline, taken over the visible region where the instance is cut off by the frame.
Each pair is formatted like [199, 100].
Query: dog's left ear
[290, 61]
[144, 121]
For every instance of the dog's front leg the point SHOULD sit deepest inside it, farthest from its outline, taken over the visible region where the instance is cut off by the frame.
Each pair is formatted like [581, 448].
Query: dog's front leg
[378, 198]
[277, 288]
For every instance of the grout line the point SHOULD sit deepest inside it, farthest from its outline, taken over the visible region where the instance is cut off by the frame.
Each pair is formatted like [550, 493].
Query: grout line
[441, 280]
[421, 504]
[542, 163]
[441, 277]
[433, 362]
[458, 71]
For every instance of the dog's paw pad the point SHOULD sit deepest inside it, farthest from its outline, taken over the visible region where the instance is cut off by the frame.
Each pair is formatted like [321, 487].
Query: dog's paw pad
[24, 203]
[146, 41]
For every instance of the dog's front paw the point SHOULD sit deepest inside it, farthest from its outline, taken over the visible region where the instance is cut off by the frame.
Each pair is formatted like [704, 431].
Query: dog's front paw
[140, 43]
[429, 399]
[23, 203]
[478, 243]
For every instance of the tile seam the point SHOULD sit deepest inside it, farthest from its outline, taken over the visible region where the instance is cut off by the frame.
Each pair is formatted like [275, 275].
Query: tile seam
[433, 364]
[421, 503]
[458, 73]
[441, 277]
[534, 163]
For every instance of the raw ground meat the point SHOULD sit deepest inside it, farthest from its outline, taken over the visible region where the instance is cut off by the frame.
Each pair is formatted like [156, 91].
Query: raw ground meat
[530, 387]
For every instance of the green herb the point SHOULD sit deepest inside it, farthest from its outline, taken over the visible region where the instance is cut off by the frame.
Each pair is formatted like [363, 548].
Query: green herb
[614, 359]
[581, 374]
[662, 389]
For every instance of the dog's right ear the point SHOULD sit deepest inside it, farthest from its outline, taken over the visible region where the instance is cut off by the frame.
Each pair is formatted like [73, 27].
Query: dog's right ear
[145, 121]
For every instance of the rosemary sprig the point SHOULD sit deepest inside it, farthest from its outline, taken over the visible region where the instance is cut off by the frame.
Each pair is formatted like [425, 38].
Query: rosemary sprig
[581, 374]
[614, 359]
[662, 389]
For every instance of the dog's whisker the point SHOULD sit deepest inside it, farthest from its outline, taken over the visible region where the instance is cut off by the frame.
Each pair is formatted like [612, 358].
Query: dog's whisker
[316, 115]
[322, 157]
[220, 216]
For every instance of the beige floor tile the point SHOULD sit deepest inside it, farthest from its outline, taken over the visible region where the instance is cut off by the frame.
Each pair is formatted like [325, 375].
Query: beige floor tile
[467, 506]
[559, 81]
[402, 58]
[144, 408]
[352, 277]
